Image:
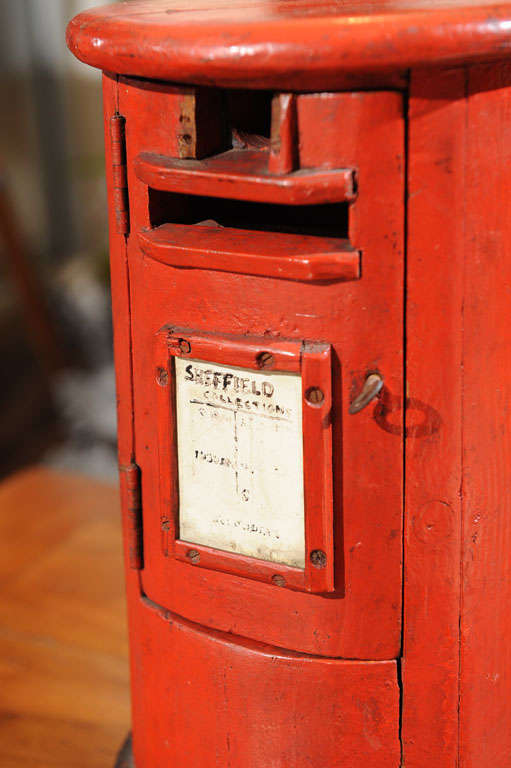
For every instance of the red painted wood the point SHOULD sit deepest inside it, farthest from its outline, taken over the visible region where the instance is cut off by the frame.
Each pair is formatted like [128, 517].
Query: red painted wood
[208, 699]
[242, 174]
[269, 254]
[367, 482]
[284, 129]
[243, 565]
[121, 310]
[224, 348]
[434, 329]
[285, 45]
[457, 666]
[485, 734]
[317, 466]
[119, 289]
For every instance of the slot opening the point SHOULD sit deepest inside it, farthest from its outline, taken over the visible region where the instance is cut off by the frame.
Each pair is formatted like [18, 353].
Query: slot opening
[324, 220]
[248, 117]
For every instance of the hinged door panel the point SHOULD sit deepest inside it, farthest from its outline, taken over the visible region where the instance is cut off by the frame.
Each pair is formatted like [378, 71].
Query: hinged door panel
[355, 313]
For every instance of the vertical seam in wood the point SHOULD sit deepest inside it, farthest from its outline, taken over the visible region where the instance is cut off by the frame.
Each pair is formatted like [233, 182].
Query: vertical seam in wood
[130, 351]
[404, 419]
[462, 407]
[125, 236]
[128, 291]
[138, 573]
[117, 93]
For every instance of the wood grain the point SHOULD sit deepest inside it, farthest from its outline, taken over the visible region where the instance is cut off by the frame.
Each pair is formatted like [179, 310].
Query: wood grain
[274, 254]
[64, 684]
[433, 471]
[485, 714]
[205, 684]
[242, 174]
[208, 699]
[368, 459]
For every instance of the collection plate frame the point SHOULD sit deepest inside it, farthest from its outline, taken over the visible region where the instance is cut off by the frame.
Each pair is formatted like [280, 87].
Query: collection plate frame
[312, 360]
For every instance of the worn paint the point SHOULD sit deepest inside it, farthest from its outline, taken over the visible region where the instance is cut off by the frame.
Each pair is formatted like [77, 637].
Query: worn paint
[288, 46]
[209, 670]
[358, 718]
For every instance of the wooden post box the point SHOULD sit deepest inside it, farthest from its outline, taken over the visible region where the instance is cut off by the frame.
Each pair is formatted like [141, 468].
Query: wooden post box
[311, 279]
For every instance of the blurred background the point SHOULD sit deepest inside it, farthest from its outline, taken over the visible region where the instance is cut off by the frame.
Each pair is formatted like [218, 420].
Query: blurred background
[64, 680]
[57, 388]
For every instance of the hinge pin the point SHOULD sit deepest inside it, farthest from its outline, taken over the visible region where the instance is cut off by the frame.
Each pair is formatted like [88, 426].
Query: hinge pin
[130, 479]
[119, 173]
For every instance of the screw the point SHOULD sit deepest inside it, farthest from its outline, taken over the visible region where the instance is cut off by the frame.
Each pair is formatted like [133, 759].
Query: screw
[185, 346]
[265, 360]
[162, 377]
[193, 556]
[278, 580]
[165, 525]
[318, 558]
[315, 396]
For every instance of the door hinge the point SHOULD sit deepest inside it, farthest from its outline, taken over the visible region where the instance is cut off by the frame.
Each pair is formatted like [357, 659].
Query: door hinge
[131, 490]
[119, 173]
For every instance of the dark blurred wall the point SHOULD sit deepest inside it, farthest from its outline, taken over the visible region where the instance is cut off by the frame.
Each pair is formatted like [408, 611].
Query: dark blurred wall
[51, 141]
[51, 171]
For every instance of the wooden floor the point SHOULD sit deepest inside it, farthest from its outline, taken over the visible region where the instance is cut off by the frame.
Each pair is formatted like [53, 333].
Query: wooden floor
[64, 686]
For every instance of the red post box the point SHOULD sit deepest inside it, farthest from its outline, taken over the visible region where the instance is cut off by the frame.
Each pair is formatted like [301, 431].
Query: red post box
[311, 274]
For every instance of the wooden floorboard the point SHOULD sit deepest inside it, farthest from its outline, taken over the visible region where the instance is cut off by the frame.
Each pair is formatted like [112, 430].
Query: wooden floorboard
[64, 684]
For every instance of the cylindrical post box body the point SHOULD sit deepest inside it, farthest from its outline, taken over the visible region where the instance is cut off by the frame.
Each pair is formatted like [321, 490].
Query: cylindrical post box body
[311, 267]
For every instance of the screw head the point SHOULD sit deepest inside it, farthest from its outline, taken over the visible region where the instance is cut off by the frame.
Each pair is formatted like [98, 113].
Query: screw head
[265, 360]
[193, 556]
[318, 558]
[185, 346]
[162, 377]
[165, 525]
[278, 580]
[314, 396]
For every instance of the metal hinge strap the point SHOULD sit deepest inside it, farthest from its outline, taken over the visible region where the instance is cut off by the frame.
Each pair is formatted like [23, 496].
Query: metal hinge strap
[119, 173]
[131, 489]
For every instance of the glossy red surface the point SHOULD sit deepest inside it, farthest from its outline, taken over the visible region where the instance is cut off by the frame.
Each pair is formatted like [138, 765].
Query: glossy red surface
[243, 175]
[276, 254]
[210, 700]
[292, 45]
[229, 670]
[367, 456]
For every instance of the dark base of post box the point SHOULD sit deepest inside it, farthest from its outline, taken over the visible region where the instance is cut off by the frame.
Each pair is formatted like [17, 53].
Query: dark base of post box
[125, 756]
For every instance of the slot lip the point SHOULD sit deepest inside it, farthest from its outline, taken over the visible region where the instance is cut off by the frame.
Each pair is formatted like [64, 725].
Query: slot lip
[242, 174]
[305, 258]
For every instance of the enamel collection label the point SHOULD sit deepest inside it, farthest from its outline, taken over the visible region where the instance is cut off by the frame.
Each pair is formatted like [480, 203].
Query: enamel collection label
[240, 459]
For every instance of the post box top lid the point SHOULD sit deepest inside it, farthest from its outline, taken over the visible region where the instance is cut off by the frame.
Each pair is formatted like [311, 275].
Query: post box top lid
[288, 44]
